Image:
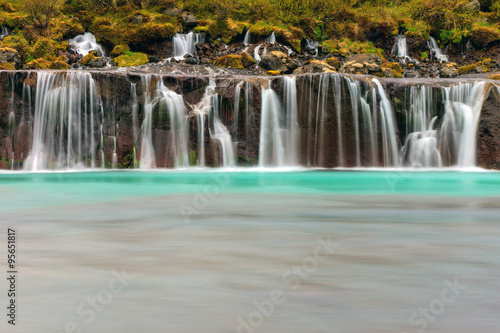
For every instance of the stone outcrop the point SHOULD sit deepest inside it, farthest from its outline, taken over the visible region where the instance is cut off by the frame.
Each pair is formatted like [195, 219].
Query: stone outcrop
[9, 56]
[362, 64]
[315, 66]
[278, 61]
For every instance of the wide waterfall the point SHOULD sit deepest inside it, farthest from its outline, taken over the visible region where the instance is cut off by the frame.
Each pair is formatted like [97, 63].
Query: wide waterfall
[92, 120]
[67, 123]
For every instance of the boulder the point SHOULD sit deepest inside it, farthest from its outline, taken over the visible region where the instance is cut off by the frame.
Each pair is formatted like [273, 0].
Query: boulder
[97, 63]
[448, 72]
[9, 55]
[154, 59]
[172, 11]
[188, 20]
[137, 19]
[473, 5]
[315, 66]
[278, 61]
[362, 64]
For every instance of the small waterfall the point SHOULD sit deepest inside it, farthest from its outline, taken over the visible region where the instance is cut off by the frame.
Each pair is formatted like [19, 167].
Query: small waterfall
[247, 39]
[388, 128]
[218, 131]
[271, 39]
[312, 45]
[291, 139]
[453, 142]
[159, 100]
[271, 148]
[148, 158]
[463, 103]
[67, 122]
[421, 145]
[256, 55]
[5, 33]
[433, 46]
[83, 44]
[400, 49]
[186, 44]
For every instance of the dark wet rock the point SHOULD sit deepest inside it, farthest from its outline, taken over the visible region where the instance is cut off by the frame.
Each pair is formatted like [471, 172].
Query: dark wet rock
[154, 59]
[411, 73]
[97, 63]
[278, 61]
[192, 61]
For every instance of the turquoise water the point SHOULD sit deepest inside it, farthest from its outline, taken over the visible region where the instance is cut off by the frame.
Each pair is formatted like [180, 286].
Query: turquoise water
[39, 189]
[207, 250]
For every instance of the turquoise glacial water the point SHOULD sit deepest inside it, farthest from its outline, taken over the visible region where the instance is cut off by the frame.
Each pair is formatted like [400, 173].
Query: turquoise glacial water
[207, 250]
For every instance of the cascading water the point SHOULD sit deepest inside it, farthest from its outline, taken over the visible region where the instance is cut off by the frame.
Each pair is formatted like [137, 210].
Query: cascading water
[67, 122]
[312, 45]
[83, 44]
[433, 46]
[453, 141]
[5, 33]
[256, 55]
[271, 39]
[186, 44]
[159, 101]
[400, 49]
[325, 120]
[247, 39]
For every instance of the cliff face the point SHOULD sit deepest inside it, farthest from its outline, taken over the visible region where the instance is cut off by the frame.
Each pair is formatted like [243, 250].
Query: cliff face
[118, 119]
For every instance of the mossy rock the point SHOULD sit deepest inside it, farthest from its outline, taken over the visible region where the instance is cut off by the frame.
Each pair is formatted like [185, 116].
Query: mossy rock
[90, 56]
[467, 69]
[482, 35]
[396, 74]
[131, 59]
[8, 66]
[48, 63]
[201, 29]
[226, 30]
[118, 50]
[261, 29]
[396, 67]
[18, 43]
[494, 77]
[334, 62]
[273, 73]
[235, 61]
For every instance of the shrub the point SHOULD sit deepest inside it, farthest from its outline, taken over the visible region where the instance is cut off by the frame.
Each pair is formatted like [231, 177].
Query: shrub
[40, 12]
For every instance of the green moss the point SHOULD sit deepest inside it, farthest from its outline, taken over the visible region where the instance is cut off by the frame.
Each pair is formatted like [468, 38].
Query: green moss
[131, 59]
[396, 74]
[235, 61]
[494, 77]
[226, 29]
[273, 73]
[119, 50]
[346, 47]
[424, 55]
[483, 35]
[9, 66]
[193, 160]
[199, 29]
[18, 43]
[261, 29]
[467, 69]
[48, 63]
[90, 56]
[334, 62]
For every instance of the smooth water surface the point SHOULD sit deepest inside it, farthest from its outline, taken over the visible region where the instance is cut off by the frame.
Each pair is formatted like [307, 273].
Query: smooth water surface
[208, 249]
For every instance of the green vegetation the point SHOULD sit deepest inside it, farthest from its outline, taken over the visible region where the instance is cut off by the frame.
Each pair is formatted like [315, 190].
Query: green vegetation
[235, 61]
[131, 59]
[344, 27]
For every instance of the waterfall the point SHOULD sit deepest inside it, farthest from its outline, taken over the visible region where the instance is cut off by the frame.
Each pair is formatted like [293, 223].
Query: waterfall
[218, 131]
[463, 103]
[83, 44]
[433, 46]
[186, 44]
[312, 45]
[400, 49]
[433, 142]
[246, 40]
[256, 55]
[67, 121]
[271, 39]
[324, 120]
[5, 33]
